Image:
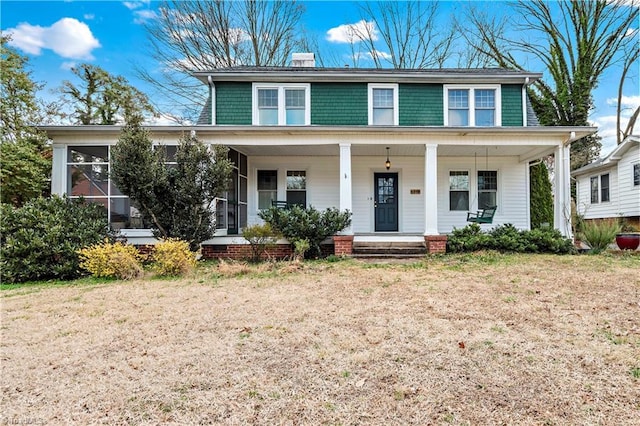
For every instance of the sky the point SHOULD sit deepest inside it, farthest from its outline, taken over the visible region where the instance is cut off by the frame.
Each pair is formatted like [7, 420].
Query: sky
[57, 35]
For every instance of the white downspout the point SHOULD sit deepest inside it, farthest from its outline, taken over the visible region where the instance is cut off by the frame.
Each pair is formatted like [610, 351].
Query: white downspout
[212, 96]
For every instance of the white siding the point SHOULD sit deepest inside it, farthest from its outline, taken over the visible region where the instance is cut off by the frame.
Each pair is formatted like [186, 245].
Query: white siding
[512, 196]
[600, 209]
[323, 188]
[629, 195]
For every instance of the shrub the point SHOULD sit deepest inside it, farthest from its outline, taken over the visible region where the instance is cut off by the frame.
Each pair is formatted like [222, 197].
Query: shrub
[111, 260]
[299, 223]
[173, 257]
[300, 247]
[41, 239]
[599, 234]
[260, 238]
[508, 238]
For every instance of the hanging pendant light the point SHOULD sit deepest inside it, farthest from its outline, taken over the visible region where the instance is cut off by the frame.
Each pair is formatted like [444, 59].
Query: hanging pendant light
[387, 163]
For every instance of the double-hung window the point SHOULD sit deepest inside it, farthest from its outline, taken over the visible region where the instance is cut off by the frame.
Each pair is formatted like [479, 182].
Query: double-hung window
[487, 189]
[459, 190]
[267, 188]
[600, 188]
[297, 187]
[281, 104]
[383, 104]
[636, 174]
[477, 106]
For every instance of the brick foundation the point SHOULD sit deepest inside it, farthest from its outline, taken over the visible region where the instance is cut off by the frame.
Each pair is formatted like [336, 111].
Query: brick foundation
[243, 252]
[343, 245]
[436, 244]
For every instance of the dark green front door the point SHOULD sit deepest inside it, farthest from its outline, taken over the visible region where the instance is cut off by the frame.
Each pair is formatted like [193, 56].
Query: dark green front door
[386, 201]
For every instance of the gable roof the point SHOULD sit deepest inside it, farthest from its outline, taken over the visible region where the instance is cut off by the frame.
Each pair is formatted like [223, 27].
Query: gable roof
[611, 159]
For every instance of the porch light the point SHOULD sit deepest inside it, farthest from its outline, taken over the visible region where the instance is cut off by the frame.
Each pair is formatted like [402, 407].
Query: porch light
[387, 163]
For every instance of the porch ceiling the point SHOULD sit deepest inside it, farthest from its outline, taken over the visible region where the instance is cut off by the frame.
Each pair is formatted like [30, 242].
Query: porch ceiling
[526, 153]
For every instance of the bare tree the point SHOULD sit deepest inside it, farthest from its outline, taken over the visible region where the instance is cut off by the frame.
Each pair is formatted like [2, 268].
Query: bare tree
[630, 58]
[575, 45]
[202, 35]
[408, 32]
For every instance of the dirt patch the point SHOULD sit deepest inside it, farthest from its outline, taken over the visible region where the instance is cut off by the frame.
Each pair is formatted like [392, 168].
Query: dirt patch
[470, 339]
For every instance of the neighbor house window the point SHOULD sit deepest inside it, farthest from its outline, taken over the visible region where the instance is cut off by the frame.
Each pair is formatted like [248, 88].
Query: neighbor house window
[636, 174]
[297, 187]
[604, 188]
[383, 104]
[594, 189]
[459, 190]
[472, 106]
[600, 189]
[281, 104]
[267, 188]
[487, 188]
[88, 177]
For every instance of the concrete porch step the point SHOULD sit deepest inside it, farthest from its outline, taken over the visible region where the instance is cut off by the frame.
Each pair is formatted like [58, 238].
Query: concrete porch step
[388, 248]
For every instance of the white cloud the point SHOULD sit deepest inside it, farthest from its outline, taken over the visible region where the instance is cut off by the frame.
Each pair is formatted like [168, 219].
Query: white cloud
[349, 33]
[68, 38]
[67, 65]
[379, 54]
[132, 5]
[628, 102]
[89, 16]
[142, 16]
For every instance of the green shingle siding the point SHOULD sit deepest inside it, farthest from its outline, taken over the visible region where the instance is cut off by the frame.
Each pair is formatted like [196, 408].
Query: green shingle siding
[420, 105]
[342, 104]
[512, 105]
[233, 103]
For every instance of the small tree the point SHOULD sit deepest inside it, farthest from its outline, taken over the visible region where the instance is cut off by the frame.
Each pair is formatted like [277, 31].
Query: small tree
[541, 200]
[299, 223]
[260, 237]
[176, 200]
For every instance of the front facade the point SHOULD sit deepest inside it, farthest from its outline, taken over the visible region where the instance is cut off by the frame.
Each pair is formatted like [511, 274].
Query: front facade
[610, 187]
[408, 152]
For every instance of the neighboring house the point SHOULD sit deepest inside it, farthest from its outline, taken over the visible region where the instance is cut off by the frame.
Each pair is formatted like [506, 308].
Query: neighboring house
[610, 187]
[456, 139]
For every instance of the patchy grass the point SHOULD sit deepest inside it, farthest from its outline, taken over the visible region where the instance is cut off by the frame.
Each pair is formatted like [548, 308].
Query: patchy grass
[465, 339]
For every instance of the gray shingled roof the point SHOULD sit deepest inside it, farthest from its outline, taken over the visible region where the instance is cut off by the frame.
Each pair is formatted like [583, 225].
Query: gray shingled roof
[205, 115]
[532, 118]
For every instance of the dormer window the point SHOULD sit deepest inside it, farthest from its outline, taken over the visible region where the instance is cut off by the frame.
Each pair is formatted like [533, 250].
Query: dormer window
[475, 106]
[383, 104]
[281, 104]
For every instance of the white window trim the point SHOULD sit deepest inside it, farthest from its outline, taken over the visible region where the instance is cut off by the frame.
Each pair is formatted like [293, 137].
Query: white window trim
[396, 109]
[282, 113]
[499, 189]
[469, 190]
[472, 103]
[632, 167]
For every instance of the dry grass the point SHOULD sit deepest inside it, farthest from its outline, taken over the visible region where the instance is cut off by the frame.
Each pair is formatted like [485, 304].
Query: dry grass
[484, 339]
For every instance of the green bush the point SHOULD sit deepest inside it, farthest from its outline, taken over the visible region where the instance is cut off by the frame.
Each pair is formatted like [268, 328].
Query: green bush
[508, 238]
[41, 239]
[260, 237]
[599, 234]
[111, 260]
[299, 223]
[172, 257]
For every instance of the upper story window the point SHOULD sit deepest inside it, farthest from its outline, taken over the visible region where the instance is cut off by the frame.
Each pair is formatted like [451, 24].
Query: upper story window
[636, 174]
[476, 106]
[383, 104]
[281, 104]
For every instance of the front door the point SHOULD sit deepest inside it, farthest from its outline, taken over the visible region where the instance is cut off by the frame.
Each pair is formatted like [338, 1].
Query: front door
[386, 201]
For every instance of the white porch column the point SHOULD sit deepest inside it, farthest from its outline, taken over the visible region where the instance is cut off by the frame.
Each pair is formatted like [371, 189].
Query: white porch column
[562, 194]
[431, 189]
[346, 202]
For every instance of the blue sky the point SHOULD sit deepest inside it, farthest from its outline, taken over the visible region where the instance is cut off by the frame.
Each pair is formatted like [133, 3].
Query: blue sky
[56, 35]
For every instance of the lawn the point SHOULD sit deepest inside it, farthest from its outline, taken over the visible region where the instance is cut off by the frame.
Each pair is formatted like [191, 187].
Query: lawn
[465, 339]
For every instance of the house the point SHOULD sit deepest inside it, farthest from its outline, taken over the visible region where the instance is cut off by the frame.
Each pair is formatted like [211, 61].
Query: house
[408, 152]
[610, 187]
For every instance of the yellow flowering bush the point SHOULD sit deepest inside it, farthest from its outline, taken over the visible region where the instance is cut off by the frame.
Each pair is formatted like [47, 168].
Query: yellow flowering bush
[111, 260]
[173, 257]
